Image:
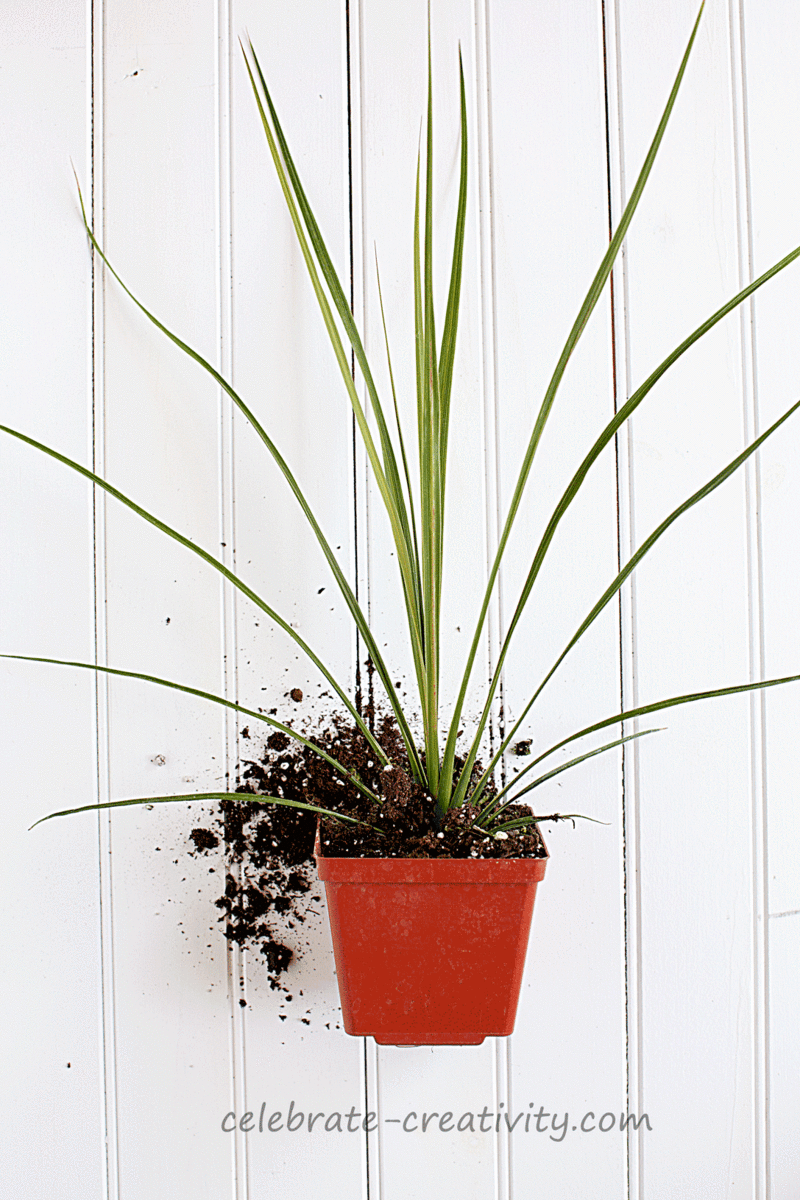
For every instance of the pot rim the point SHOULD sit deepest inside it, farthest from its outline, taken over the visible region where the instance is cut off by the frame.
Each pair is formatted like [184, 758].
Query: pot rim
[429, 870]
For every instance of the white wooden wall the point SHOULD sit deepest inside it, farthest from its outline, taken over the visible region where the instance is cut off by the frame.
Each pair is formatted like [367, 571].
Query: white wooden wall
[663, 975]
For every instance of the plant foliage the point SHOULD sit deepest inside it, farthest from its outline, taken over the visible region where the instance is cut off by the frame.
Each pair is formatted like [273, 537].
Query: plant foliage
[415, 507]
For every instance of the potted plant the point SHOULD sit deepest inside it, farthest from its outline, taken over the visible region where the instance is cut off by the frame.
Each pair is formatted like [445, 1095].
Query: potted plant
[418, 828]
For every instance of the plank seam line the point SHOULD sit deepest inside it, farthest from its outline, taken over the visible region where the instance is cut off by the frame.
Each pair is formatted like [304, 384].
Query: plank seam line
[488, 350]
[487, 276]
[95, 12]
[235, 960]
[618, 484]
[351, 264]
[755, 603]
[353, 83]
[621, 369]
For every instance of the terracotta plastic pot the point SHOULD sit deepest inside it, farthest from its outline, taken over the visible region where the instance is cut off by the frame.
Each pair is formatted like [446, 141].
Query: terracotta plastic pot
[429, 951]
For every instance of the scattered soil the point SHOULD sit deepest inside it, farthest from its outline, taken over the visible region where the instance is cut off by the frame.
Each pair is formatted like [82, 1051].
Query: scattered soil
[270, 877]
[204, 839]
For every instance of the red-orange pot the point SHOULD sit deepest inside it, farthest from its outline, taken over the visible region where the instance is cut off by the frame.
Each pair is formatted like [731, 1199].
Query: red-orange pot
[429, 951]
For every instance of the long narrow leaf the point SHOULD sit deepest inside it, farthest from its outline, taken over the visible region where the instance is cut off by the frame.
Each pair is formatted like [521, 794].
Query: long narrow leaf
[618, 581]
[422, 442]
[603, 440]
[389, 481]
[212, 562]
[659, 706]
[398, 423]
[347, 592]
[446, 361]
[340, 301]
[448, 349]
[523, 821]
[221, 700]
[589, 303]
[391, 497]
[419, 319]
[492, 811]
[430, 474]
[243, 797]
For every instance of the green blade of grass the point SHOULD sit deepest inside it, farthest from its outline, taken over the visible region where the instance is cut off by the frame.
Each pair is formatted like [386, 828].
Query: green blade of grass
[603, 440]
[430, 474]
[212, 562]
[344, 587]
[389, 489]
[189, 797]
[419, 358]
[340, 302]
[448, 347]
[419, 319]
[618, 581]
[491, 812]
[565, 766]
[552, 817]
[446, 361]
[202, 695]
[659, 706]
[400, 438]
[389, 482]
[588, 306]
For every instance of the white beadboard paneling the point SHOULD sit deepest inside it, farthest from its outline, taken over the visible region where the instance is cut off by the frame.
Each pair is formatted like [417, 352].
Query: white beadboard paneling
[772, 93]
[162, 606]
[52, 1065]
[194, 220]
[784, 942]
[550, 214]
[772, 100]
[413, 1083]
[696, 805]
[285, 368]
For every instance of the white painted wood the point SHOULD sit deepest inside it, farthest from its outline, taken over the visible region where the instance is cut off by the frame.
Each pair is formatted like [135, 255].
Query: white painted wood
[550, 215]
[50, 989]
[784, 943]
[772, 93]
[284, 366]
[697, 796]
[162, 608]
[128, 978]
[771, 112]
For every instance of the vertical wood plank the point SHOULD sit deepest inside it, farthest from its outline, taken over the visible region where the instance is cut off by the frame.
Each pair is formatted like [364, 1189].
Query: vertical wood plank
[51, 955]
[294, 1049]
[52, 1068]
[772, 125]
[194, 220]
[695, 803]
[161, 432]
[550, 215]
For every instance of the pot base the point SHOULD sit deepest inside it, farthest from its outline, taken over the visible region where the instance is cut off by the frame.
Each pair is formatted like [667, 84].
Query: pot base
[430, 1039]
[429, 952]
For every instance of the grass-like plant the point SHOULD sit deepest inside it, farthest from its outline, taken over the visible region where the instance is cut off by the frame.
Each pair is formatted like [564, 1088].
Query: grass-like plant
[415, 506]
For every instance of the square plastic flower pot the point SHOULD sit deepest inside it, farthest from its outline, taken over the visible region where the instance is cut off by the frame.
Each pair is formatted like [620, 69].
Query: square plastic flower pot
[429, 951]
